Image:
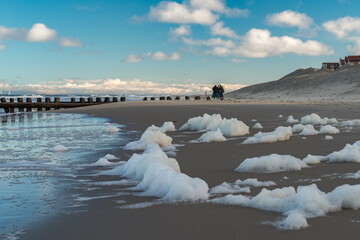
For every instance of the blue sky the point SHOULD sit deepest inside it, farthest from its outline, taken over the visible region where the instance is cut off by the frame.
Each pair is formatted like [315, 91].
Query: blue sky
[156, 46]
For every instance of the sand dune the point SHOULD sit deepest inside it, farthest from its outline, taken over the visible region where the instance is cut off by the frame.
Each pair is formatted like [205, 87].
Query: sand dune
[309, 84]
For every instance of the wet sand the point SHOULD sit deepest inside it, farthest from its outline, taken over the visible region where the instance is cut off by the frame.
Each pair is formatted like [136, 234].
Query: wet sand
[214, 163]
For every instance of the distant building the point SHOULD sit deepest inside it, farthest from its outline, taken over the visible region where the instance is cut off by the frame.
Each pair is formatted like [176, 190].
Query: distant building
[331, 65]
[342, 61]
[354, 59]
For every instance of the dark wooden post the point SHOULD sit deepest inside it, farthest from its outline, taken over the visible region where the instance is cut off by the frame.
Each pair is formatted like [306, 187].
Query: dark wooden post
[187, 98]
[208, 98]
[47, 100]
[21, 100]
[115, 99]
[73, 100]
[162, 98]
[177, 98]
[90, 99]
[168, 98]
[145, 99]
[57, 100]
[12, 109]
[82, 100]
[3, 100]
[39, 100]
[122, 99]
[98, 99]
[152, 98]
[107, 100]
[28, 100]
[197, 97]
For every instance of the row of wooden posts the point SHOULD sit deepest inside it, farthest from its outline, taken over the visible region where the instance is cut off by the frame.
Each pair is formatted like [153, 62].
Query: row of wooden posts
[176, 98]
[28, 104]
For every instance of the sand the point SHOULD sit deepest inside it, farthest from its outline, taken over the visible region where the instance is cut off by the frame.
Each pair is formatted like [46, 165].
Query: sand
[214, 163]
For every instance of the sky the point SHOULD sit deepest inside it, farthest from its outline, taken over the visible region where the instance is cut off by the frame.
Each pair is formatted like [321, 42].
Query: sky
[167, 47]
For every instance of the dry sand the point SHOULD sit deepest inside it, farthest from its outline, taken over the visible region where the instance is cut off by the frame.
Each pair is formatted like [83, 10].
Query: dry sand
[214, 163]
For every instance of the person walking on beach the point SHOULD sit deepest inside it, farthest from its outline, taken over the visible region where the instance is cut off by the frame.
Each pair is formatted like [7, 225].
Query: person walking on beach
[221, 92]
[215, 92]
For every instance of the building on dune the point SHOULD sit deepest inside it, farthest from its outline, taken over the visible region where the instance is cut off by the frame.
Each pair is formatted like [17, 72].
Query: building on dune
[355, 59]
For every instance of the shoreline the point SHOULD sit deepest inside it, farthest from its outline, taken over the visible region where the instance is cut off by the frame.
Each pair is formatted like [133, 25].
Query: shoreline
[214, 163]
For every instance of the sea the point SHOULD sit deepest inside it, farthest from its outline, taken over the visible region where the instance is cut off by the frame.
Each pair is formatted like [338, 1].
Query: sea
[41, 154]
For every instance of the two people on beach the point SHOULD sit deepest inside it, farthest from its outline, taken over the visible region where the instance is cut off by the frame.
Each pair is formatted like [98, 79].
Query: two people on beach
[218, 92]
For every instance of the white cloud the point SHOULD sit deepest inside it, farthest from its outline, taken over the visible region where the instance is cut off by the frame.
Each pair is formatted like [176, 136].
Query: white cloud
[133, 58]
[204, 12]
[41, 33]
[355, 49]
[159, 56]
[219, 29]
[342, 27]
[38, 33]
[183, 30]
[70, 42]
[175, 56]
[117, 86]
[210, 42]
[289, 18]
[258, 43]
[236, 60]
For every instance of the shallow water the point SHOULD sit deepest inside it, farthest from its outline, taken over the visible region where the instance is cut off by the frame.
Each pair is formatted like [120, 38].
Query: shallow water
[33, 174]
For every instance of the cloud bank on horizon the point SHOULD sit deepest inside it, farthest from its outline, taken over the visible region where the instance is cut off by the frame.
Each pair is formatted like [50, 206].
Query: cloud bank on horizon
[116, 86]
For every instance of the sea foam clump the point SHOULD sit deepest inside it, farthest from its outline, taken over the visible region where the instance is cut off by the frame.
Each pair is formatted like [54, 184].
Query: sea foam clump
[315, 119]
[298, 205]
[350, 153]
[160, 176]
[257, 126]
[351, 123]
[328, 129]
[308, 130]
[271, 163]
[229, 127]
[291, 120]
[151, 135]
[278, 135]
[59, 148]
[314, 159]
[212, 136]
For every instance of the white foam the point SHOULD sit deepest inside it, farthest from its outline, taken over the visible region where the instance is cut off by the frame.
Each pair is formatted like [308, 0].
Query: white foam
[297, 128]
[351, 123]
[112, 129]
[152, 135]
[212, 136]
[257, 126]
[271, 163]
[327, 137]
[308, 131]
[353, 175]
[294, 221]
[103, 162]
[160, 176]
[110, 157]
[226, 188]
[253, 120]
[350, 153]
[59, 148]
[278, 135]
[313, 159]
[291, 120]
[280, 116]
[307, 201]
[229, 127]
[166, 127]
[253, 182]
[328, 129]
[315, 119]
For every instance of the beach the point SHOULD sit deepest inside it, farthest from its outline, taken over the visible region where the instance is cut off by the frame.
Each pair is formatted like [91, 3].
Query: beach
[214, 162]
